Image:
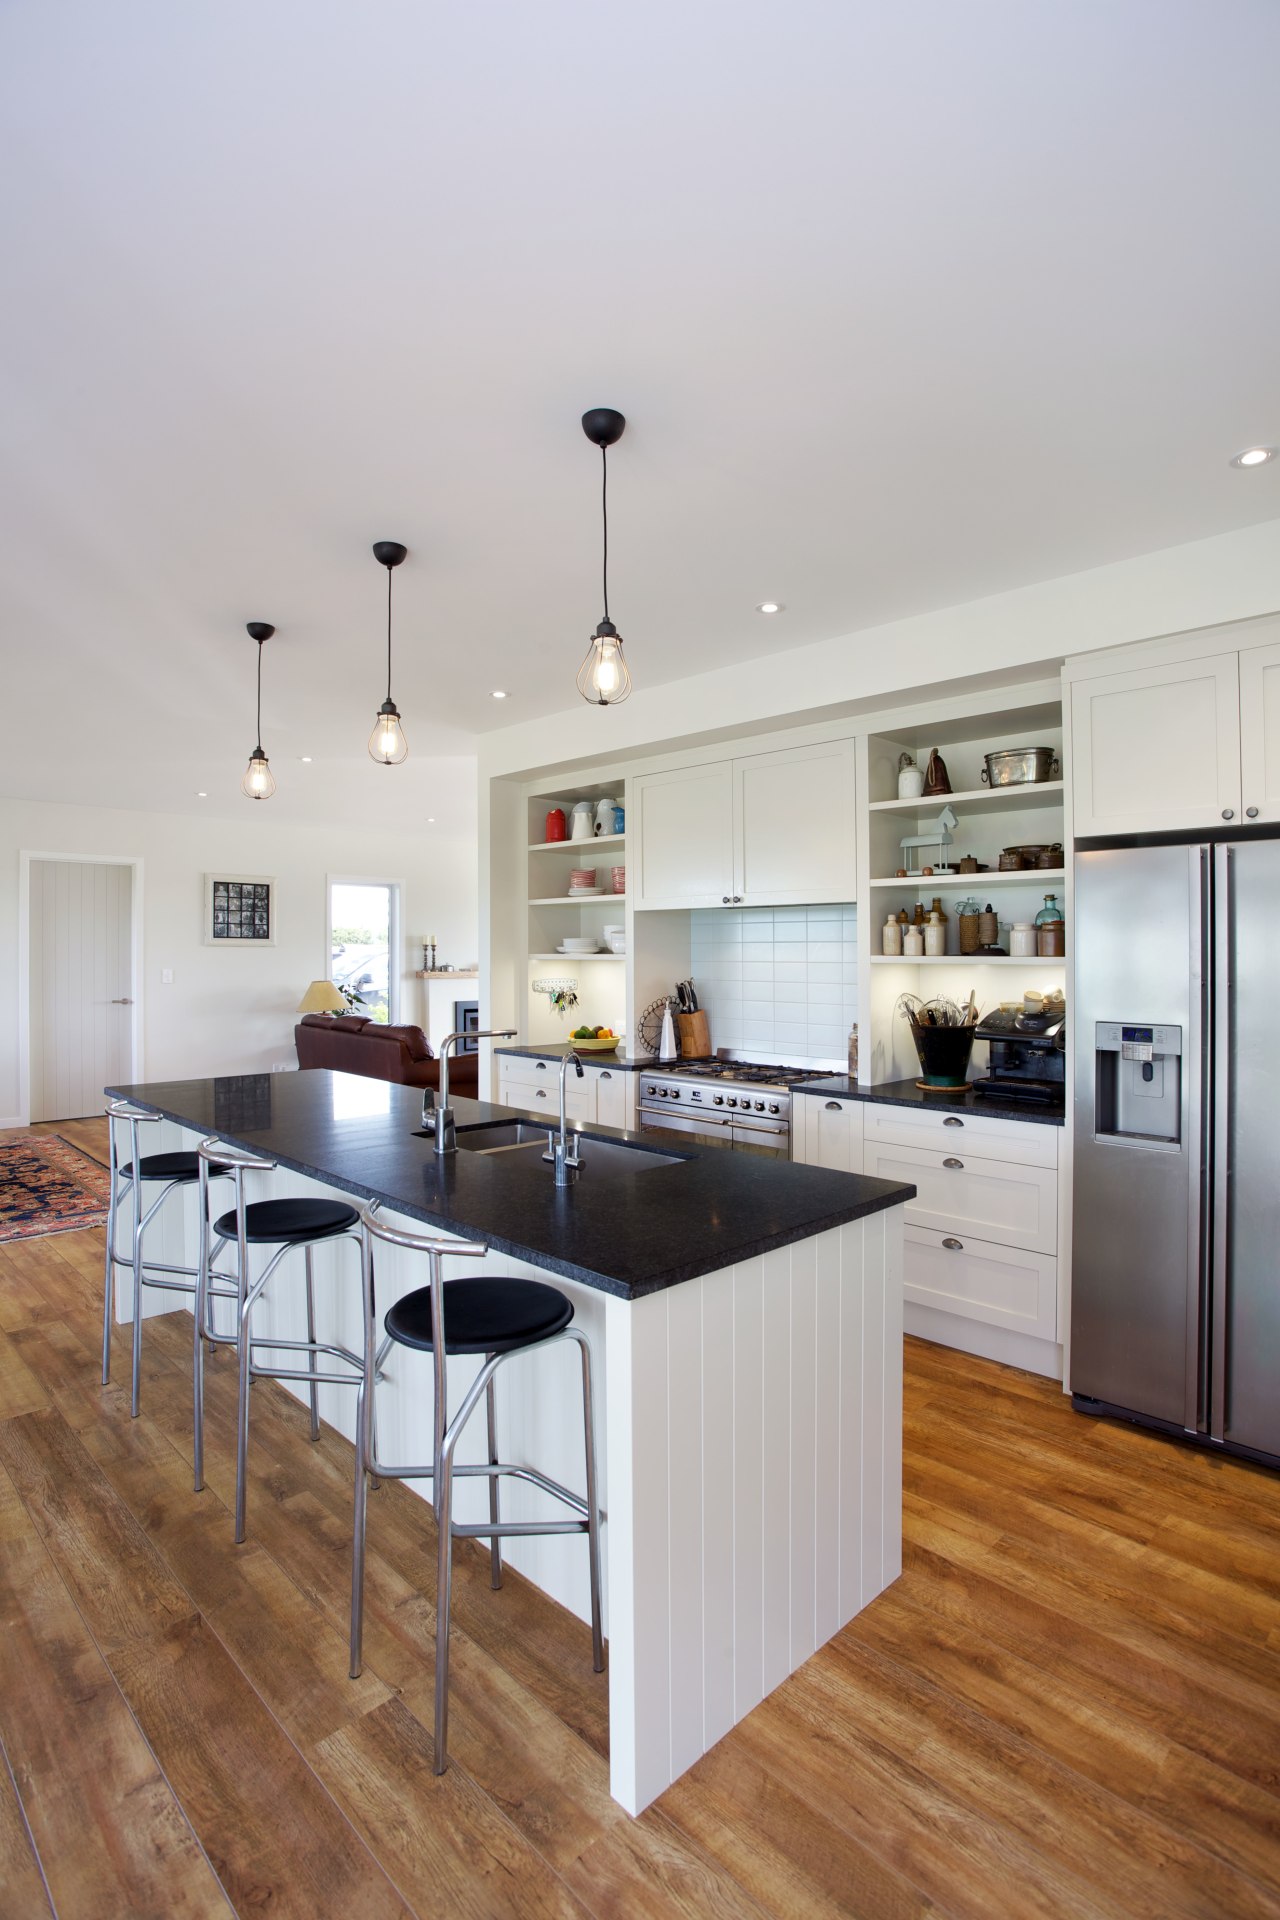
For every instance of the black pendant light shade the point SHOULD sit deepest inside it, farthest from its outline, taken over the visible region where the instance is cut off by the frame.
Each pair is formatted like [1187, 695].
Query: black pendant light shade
[387, 744]
[259, 782]
[603, 678]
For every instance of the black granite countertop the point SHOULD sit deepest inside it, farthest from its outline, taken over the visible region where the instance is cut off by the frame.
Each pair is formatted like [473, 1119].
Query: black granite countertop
[625, 1062]
[905, 1093]
[626, 1233]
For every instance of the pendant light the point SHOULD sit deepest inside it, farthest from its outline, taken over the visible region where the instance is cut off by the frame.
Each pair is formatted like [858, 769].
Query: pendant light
[259, 782]
[603, 679]
[387, 744]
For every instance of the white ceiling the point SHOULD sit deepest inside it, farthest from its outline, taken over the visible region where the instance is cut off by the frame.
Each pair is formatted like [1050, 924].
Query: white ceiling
[905, 306]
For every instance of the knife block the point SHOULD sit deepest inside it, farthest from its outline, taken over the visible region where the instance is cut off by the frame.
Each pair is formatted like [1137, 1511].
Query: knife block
[695, 1036]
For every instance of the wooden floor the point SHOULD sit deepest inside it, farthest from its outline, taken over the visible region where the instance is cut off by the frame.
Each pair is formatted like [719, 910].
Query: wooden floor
[1068, 1705]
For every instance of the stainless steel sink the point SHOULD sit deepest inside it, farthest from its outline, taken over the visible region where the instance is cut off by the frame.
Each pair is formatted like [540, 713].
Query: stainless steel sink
[595, 1156]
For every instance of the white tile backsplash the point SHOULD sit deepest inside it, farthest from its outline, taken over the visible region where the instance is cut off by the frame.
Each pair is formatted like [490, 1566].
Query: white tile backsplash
[781, 982]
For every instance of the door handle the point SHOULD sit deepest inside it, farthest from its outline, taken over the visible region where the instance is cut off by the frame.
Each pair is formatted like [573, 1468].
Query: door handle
[953, 1246]
[606, 1075]
[951, 1121]
[951, 1161]
[122, 1003]
[833, 1106]
[540, 1093]
[540, 1066]
[1251, 813]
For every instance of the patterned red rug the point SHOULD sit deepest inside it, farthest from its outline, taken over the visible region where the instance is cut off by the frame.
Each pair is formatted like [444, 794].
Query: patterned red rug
[49, 1186]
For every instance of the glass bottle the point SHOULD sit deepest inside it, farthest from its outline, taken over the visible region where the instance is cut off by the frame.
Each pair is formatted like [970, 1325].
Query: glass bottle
[1050, 929]
[967, 915]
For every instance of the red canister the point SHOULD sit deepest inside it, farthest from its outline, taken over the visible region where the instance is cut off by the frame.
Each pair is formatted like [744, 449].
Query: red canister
[555, 824]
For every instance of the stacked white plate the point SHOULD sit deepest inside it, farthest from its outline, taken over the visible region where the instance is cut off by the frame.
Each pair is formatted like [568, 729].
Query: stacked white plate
[579, 943]
[584, 893]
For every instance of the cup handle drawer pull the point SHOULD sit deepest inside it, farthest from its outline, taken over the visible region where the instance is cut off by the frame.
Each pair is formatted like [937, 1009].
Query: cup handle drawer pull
[953, 1246]
[540, 1066]
[951, 1121]
[540, 1094]
[951, 1161]
[606, 1075]
[833, 1106]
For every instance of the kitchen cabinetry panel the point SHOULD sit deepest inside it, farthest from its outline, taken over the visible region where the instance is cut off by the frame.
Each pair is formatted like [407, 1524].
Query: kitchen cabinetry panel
[613, 1107]
[682, 836]
[827, 1133]
[980, 1280]
[1157, 749]
[603, 1096]
[794, 826]
[1260, 732]
[969, 1135]
[766, 829]
[1015, 1206]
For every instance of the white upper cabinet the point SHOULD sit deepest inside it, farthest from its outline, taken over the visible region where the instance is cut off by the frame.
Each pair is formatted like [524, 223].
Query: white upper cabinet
[1158, 749]
[681, 835]
[1260, 732]
[794, 826]
[767, 829]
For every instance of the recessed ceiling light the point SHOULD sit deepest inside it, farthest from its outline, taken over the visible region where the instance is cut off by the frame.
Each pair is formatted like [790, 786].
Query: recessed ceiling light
[1253, 457]
[201, 794]
[305, 759]
[769, 606]
[498, 694]
[431, 819]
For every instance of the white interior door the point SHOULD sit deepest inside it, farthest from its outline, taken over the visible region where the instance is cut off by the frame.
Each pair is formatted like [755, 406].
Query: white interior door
[81, 1002]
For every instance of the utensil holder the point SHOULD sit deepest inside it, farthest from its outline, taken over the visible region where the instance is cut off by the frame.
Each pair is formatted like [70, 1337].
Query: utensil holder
[695, 1036]
[943, 1053]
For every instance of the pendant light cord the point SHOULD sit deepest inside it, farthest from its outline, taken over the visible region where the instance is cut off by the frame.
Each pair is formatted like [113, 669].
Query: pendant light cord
[604, 515]
[389, 572]
[260, 647]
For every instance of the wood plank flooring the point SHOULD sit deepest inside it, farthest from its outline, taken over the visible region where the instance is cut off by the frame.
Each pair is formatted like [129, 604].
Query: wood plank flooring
[1068, 1705]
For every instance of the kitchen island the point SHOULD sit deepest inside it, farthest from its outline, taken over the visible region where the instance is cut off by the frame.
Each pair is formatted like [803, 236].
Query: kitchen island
[745, 1321]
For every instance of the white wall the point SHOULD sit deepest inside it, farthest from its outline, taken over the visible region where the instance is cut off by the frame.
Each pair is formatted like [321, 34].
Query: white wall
[233, 1011]
[1234, 576]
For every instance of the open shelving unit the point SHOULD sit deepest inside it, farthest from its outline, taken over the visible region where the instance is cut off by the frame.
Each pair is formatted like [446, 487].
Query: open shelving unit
[551, 916]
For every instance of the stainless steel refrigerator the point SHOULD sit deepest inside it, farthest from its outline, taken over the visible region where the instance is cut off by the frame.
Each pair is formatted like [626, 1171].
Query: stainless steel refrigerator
[1175, 1272]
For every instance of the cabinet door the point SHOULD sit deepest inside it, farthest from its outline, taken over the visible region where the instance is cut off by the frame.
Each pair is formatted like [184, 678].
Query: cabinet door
[981, 1280]
[830, 1132]
[1014, 1206]
[611, 1095]
[1260, 732]
[1157, 749]
[793, 826]
[680, 836]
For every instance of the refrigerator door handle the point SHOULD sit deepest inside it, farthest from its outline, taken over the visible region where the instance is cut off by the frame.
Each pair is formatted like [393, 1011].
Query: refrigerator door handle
[1195, 1121]
[1215, 1341]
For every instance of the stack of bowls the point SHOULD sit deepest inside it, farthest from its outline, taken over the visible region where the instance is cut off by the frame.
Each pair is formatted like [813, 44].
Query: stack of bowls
[615, 938]
[619, 877]
[582, 880]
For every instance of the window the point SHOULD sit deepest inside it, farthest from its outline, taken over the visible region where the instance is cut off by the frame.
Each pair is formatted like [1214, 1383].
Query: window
[364, 945]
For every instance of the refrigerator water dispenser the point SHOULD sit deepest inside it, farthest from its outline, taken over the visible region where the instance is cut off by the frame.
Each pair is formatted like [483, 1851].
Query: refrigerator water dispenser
[1138, 1094]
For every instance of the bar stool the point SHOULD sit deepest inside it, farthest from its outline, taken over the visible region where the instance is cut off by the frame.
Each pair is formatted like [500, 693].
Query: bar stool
[282, 1225]
[169, 1172]
[495, 1317]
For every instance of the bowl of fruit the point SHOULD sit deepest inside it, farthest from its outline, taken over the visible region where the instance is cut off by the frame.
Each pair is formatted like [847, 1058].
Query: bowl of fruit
[594, 1039]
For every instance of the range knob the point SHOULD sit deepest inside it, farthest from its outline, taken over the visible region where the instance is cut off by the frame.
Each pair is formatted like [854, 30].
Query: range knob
[774, 1107]
[675, 1093]
[651, 1088]
[731, 1102]
[717, 1099]
[662, 1093]
[759, 1106]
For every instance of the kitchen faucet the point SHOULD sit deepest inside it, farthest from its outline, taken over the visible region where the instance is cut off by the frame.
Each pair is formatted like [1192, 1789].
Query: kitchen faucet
[446, 1138]
[566, 1164]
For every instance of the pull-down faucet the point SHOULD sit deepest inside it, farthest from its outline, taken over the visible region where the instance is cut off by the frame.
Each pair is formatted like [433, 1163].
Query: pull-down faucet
[566, 1164]
[446, 1139]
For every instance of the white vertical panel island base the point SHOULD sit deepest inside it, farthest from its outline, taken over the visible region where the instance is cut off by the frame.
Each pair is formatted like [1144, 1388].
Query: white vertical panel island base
[746, 1323]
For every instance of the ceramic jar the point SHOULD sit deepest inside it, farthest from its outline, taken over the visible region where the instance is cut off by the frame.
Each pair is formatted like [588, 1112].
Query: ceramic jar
[1022, 940]
[891, 936]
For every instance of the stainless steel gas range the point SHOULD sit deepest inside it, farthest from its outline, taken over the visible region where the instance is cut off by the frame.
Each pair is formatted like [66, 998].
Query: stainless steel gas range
[724, 1102]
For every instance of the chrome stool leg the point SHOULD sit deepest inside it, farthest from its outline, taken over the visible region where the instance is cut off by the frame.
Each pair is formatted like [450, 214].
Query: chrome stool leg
[593, 1504]
[443, 1489]
[315, 1358]
[495, 1540]
[109, 1277]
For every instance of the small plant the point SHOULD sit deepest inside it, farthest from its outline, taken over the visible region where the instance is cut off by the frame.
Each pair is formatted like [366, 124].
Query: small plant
[356, 1002]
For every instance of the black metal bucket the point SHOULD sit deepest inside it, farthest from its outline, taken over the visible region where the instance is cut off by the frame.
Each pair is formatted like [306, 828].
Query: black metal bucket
[943, 1053]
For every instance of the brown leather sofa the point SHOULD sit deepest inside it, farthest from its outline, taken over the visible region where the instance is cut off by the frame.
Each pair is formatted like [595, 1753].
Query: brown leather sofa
[350, 1043]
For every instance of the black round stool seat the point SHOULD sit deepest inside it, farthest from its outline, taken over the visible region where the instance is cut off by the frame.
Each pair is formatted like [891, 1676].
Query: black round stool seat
[164, 1166]
[283, 1221]
[483, 1316]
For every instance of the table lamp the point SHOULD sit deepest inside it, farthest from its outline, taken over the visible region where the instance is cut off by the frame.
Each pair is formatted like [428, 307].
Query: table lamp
[322, 997]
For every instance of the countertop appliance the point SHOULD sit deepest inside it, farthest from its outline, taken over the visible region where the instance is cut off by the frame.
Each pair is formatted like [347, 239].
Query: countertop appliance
[1027, 1059]
[1175, 1318]
[744, 1104]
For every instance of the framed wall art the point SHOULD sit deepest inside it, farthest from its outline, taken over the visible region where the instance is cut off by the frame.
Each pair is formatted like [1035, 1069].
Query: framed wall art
[239, 910]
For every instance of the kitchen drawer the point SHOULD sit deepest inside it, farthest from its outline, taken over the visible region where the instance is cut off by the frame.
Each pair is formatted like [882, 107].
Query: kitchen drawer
[978, 1280]
[971, 1135]
[993, 1199]
[529, 1086]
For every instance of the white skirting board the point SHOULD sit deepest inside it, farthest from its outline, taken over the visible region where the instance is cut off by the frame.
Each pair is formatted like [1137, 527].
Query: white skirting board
[749, 1432]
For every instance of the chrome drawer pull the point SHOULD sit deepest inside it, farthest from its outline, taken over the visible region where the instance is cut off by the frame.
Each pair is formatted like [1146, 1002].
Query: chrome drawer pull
[833, 1106]
[951, 1161]
[955, 1246]
[951, 1121]
[540, 1093]
[540, 1066]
